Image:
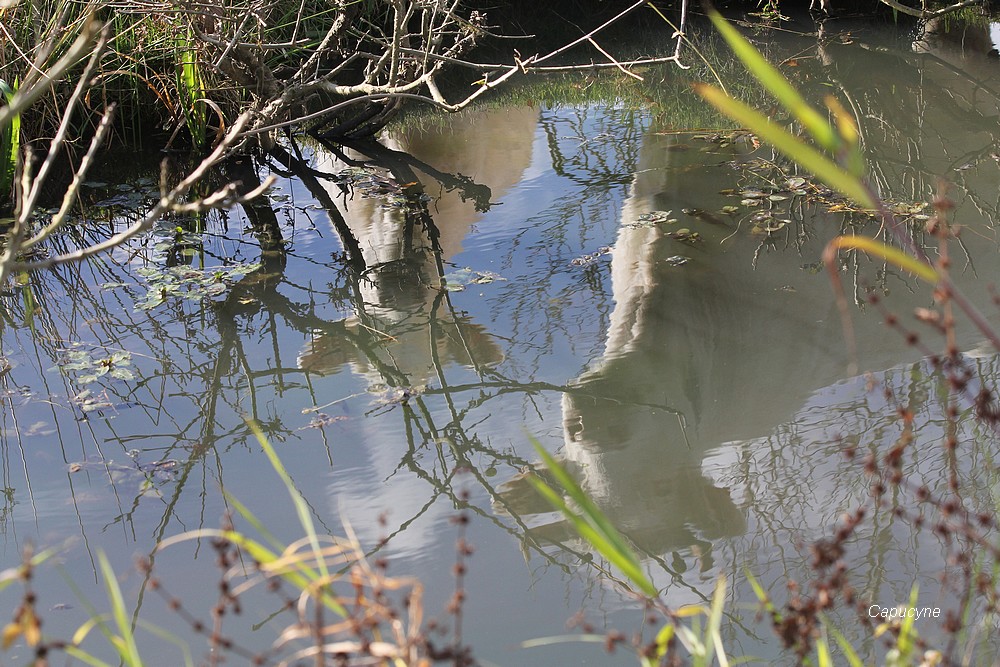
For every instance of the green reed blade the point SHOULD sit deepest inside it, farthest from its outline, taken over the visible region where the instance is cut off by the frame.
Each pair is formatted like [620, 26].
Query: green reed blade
[805, 155]
[889, 254]
[125, 642]
[9, 144]
[590, 523]
[815, 124]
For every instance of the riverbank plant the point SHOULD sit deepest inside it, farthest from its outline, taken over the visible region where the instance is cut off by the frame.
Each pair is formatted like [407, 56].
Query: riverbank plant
[339, 604]
[342, 70]
[693, 634]
[10, 135]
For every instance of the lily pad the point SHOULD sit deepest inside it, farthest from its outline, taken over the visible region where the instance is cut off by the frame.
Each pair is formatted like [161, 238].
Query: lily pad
[654, 217]
[651, 219]
[322, 420]
[685, 236]
[188, 282]
[396, 395]
[87, 401]
[457, 280]
[584, 260]
[89, 366]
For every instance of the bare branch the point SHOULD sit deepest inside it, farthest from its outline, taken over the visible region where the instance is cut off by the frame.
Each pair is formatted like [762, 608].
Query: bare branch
[923, 14]
[69, 198]
[171, 201]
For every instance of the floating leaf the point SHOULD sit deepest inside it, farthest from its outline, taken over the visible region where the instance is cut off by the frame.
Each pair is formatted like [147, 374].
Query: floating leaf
[457, 280]
[322, 420]
[589, 259]
[685, 235]
[188, 282]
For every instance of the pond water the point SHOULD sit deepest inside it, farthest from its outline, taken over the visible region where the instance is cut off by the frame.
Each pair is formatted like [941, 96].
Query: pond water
[685, 360]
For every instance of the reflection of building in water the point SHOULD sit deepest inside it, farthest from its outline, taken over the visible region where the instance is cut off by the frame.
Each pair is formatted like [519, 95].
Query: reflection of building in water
[402, 330]
[719, 399]
[723, 348]
[624, 437]
[399, 301]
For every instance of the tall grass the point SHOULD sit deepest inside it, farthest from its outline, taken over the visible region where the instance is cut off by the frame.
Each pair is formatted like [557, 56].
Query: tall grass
[377, 619]
[9, 148]
[191, 87]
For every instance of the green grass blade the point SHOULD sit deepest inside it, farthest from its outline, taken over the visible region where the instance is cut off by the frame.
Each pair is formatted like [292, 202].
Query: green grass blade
[84, 657]
[590, 523]
[9, 144]
[192, 89]
[823, 658]
[815, 124]
[126, 645]
[889, 254]
[907, 634]
[793, 147]
[663, 638]
[845, 646]
[254, 522]
[590, 511]
[632, 571]
[301, 507]
[713, 629]
[761, 594]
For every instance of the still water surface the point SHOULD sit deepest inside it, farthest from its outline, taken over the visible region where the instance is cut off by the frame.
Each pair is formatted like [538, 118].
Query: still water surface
[695, 382]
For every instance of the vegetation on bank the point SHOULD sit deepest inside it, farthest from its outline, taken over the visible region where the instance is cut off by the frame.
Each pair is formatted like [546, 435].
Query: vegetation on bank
[230, 77]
